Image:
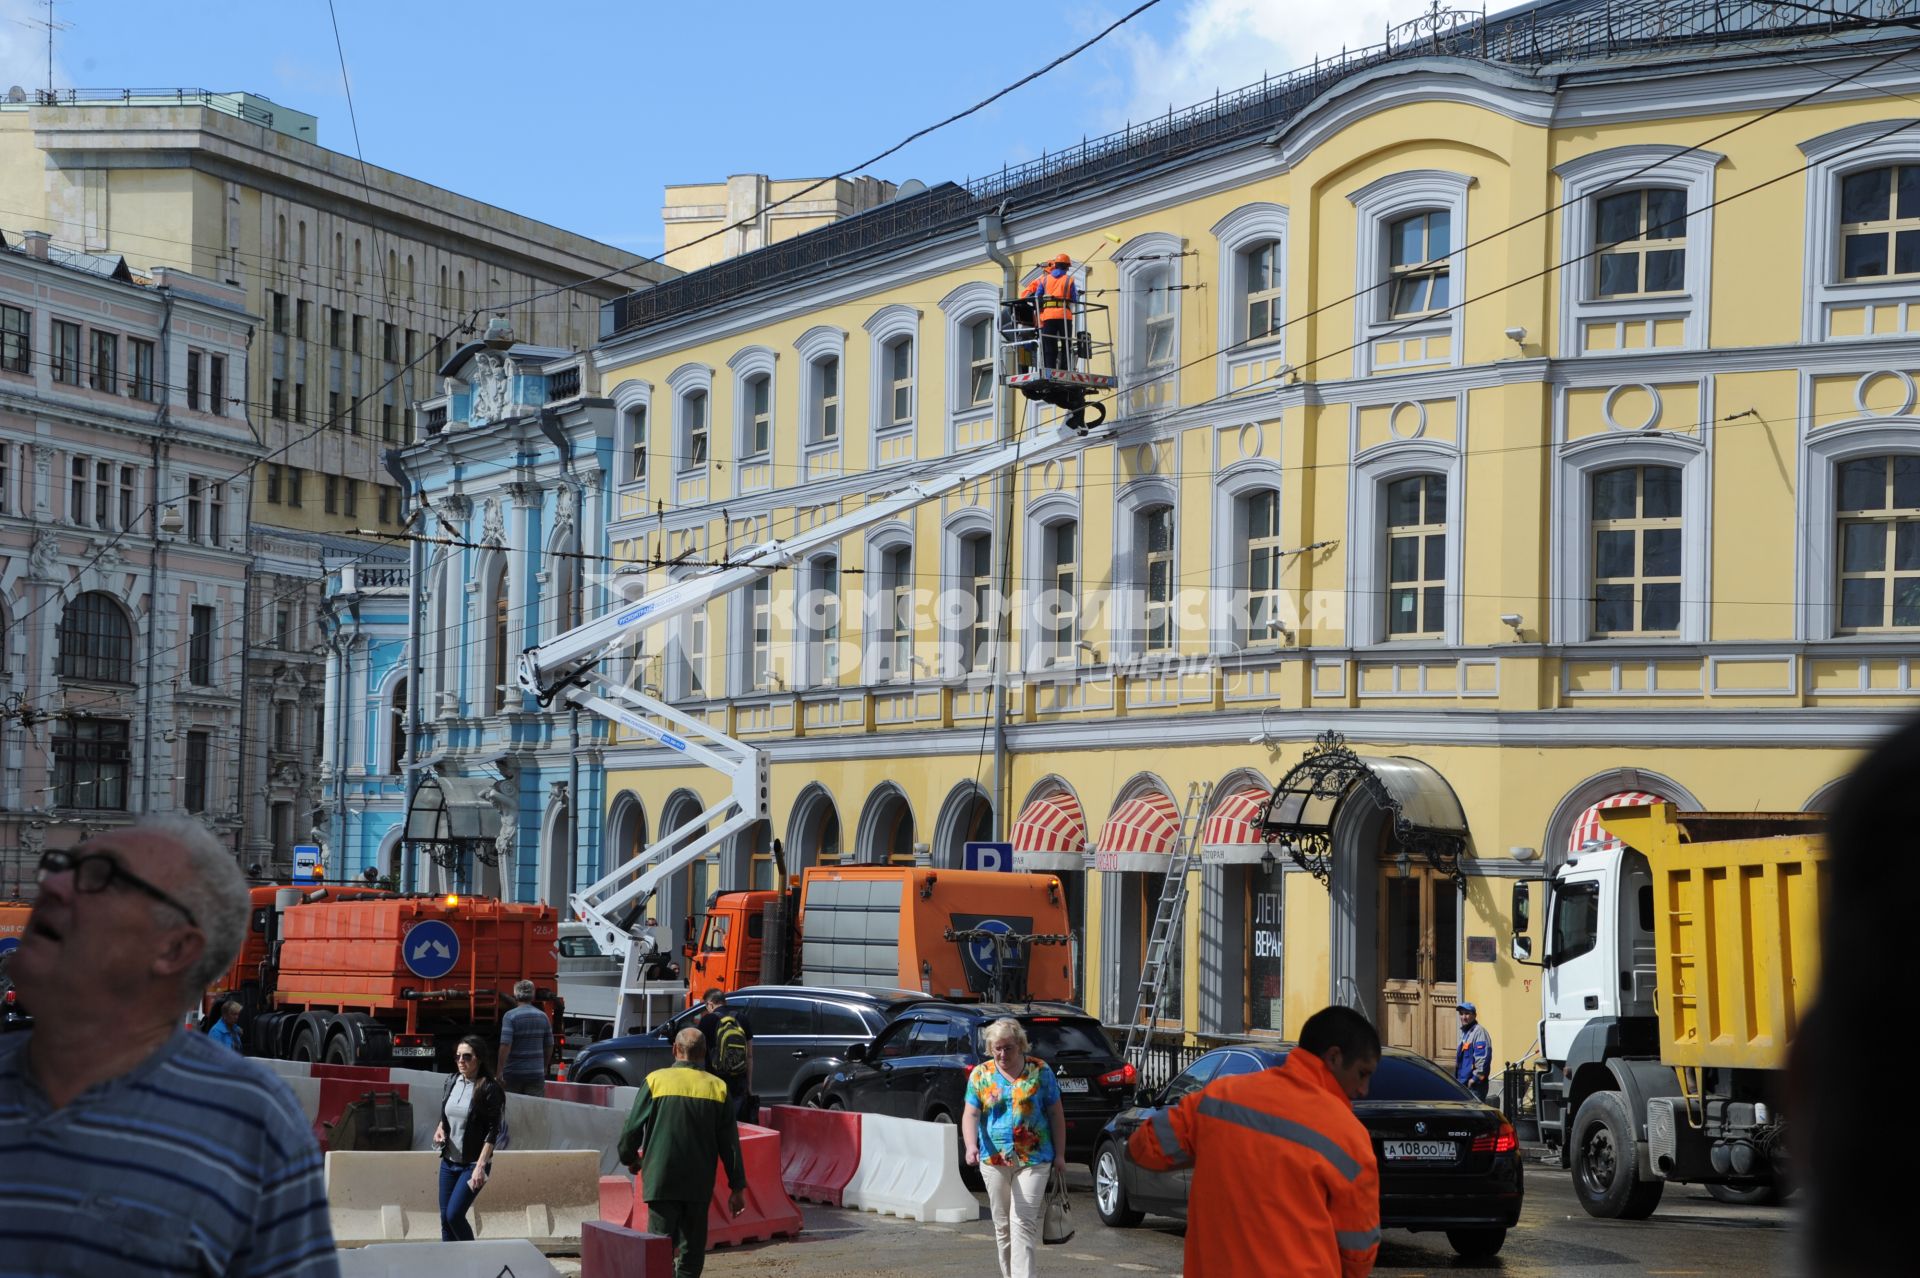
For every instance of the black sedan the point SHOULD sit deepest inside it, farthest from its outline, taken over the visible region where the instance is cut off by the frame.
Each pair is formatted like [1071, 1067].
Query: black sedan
[1447, 1160]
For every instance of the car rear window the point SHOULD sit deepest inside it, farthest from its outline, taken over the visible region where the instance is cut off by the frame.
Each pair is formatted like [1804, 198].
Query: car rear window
[1400, 1079]
[1052, 1040]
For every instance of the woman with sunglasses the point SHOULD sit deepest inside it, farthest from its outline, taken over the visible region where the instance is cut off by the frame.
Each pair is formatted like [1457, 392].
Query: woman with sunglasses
[470, 1114]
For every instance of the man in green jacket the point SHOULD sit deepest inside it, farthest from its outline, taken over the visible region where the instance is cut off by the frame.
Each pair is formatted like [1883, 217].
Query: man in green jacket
[680, 1130]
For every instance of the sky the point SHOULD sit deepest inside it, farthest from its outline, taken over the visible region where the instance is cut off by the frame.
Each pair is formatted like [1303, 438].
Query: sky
[580, 113]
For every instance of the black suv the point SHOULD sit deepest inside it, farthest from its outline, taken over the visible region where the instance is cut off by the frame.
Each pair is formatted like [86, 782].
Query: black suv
[800, 1036]
[917, 1067]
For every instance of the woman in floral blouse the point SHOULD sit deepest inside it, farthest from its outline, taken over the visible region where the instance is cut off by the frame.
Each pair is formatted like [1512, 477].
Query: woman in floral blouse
[1016, 1132]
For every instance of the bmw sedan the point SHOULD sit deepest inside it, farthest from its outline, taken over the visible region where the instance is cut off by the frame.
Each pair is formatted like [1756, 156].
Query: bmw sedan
[1448, 1161]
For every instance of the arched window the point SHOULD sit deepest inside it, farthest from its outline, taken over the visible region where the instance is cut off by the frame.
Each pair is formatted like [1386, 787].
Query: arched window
[397, 728]
[96, 640]
[1416, 537]
[495, 694]
[1637, 559]
[1879, 537]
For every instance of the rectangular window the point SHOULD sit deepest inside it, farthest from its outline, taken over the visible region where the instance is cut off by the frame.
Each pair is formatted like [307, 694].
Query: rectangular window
[896, 627]
[216, 512]
[1636, 548]
[193, 380]
[279, 312]
[980, 363]
[1417, 251]
[359, 328]
[386, 504]
[1880, 222]
[282, 628]
[827, 414]
[333, 325]
[102, 493]
[1416, 557]
[1157, 350]
[901, 383]
[333, 411]
[1640, 242]
[352, 497]
[90, 763]
[1879, 506]
[195, 796]
[127, 516]
[637, 445]
[286, 720]
[300, 402]
[200, 646]
[77, 493]
[140, 356]
[760, 605]
[386, 422]
[106, 362]
[697, 654]
[977, 560]
[217, 384]
[1263, 291]
[301, 310]
[759, 435]
[1158, 583]
[1060, 613]
[1264, 622]
[825, 666]
[278, 402]
[695, 408]
[273, 483]
[66, 353]
[293, 485]
[330, 486]
[389, 342]
[413, 340]
[16, 340]
[193, 508]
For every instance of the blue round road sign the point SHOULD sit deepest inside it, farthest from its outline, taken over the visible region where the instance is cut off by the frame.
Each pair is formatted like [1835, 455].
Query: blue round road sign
[430, 948]
[981, 951]
[8, 944]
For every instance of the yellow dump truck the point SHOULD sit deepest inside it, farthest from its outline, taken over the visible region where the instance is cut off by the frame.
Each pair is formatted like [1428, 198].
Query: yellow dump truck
[1679, 955]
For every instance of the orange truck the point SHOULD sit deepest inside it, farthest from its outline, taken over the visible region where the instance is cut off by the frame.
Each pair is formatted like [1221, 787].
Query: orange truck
[360, 977]
[13, 921]
[892, 927]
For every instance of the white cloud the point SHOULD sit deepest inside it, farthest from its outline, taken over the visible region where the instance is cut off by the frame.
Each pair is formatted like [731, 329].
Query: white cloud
[1225, 44]
[23, 47]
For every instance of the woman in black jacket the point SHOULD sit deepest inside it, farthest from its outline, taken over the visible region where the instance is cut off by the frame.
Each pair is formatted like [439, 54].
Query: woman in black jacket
[470, 1113]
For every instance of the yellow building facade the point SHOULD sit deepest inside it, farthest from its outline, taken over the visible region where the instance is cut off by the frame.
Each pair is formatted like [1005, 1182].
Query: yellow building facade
[1545, 430]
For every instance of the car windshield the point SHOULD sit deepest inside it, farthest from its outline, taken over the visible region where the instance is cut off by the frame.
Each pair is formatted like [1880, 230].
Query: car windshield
[1402, 1079]
[1053, 1040]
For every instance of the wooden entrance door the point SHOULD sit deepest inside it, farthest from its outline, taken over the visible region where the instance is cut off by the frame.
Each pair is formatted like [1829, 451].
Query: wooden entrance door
[1419, 960]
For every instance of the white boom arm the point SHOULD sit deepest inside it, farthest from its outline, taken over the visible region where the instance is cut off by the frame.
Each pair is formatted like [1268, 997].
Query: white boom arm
[563, 669]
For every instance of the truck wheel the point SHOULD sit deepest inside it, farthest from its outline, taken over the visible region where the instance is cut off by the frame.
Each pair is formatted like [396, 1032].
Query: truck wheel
[303, 1046]
[1109, 1191]
[1605, 1178]
[340, 1051]
[1477, 1244]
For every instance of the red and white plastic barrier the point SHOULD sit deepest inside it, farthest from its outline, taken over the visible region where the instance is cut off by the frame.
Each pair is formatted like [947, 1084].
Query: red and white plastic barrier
[819, 1150]
[770, 1213]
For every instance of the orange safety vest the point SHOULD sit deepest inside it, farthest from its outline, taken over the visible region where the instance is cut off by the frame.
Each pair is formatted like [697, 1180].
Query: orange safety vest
[1284, 1178]
[1059, 292]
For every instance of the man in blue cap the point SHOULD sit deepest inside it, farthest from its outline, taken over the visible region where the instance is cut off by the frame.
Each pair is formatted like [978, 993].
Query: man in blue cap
[1473, 1059]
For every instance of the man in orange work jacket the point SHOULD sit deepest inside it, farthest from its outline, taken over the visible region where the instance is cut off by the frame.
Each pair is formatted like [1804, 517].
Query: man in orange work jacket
[1057, 293]
[1284, 1179]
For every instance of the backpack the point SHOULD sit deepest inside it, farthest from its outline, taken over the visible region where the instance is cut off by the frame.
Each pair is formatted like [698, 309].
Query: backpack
[730, 1049]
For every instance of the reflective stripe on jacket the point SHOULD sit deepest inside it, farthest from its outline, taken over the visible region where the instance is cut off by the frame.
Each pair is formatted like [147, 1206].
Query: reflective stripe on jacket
[1284, 1178]
[1058, 289]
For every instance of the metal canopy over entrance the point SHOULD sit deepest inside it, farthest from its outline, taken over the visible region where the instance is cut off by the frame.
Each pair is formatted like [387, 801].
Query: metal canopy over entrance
[452, 818]
[1425, 814]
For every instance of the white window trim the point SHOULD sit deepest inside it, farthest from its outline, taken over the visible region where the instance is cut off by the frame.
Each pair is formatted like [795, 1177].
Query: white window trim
[492, 562]
[1832, 156]
[1136, 261]
[1244, 228]
[963, 524]
[1572, 535]
[748, 363]
[881, 539]
[804, 673]
[740, 649]
[627, 397]
[1042, 514]
[1817, 549]
[1632, 168]
[675, 670]
[1367, 535]
[683, 382]
[961, 307]
[885, 327]
[1127, 608]
[1377, 204]
[1230, 567]
[822, 341]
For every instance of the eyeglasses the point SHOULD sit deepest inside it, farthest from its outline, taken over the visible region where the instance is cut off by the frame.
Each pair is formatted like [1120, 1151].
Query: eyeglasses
[465, 1056]
[96, 872]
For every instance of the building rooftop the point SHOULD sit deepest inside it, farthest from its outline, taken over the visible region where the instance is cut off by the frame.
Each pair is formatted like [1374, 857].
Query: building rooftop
[256, 108]
[1533, 36]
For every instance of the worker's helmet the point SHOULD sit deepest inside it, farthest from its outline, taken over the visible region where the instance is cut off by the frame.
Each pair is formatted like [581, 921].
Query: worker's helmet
[1062, 260]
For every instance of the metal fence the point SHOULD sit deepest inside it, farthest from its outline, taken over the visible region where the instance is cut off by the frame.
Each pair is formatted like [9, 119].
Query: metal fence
[226, 103]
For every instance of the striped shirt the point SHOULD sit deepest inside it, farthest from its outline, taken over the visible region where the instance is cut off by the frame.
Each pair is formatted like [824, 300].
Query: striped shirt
[193, 1162]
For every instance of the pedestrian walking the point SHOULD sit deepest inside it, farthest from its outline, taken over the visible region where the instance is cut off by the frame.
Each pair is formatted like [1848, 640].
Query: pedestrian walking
[1473, 1059]
[526, 1044]
[470, 1112]
[680, 1131]
[135, 1145]
[1284, 1178]
[729, 1040]
[1015, 1131]
[226, 1030]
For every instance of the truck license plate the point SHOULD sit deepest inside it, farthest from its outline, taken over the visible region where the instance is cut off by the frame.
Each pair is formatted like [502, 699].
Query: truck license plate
[1073, 1084]
[1426, 1151]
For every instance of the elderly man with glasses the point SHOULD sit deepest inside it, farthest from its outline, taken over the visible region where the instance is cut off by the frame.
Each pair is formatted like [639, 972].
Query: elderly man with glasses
[134, 1145]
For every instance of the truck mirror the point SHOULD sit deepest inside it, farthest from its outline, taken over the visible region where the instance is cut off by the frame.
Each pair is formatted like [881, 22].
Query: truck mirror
[1523, 948]
[1522, 908]
[687, 950]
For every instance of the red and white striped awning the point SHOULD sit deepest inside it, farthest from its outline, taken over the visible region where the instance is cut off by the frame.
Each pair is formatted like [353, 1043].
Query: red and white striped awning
[1139, 835]
[1050, 834]
[1231, 835]
[1588, 829]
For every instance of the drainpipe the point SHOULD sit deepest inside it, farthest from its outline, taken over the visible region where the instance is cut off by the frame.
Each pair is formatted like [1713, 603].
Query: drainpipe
[416, 665]
[162, 426]
[992, 232]
[242, 800]
[550, 427]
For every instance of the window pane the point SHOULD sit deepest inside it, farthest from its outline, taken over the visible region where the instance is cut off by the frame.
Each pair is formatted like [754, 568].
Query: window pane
[902, 360]
[1612, 609]
[1863, 484]
[1401, 617]
[1866, 255]
[902, 403]
[1408, 239]
[1864, 196]
[1439, 234]
[1860, 599]
[760, 396]
[1432, 620]
[1906, 482]
[1660, 492]
[1666, 215]
[1159, 581]
[1438, 297]
[1660, 553]
[1160, 343]
[1907, 190]
[1436, 557]
[1666, 271]
[1160, 529]
[1906, 602]
[830, 377]
[1906, 545]
[1863, 548]
[1613, 554]
[1436, 498]
[1409, 295]
[977, 341]
[1660, 609]
[1403, 502]
[1263, 514]
[1618, 218]
[1259, 318]
[1613, 494]
[982, 387]
[830, 422]
[1906, 252]
[1403, 559]
[1619, 273]
[1260, 269]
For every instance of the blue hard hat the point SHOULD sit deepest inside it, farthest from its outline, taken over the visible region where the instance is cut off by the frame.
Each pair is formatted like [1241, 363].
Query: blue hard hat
[1466, 1007]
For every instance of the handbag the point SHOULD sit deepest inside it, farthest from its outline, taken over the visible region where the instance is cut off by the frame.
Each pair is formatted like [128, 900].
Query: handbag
[1058, 1225]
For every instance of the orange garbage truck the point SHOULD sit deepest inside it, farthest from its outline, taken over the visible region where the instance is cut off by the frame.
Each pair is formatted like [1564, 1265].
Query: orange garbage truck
[965, 934]
[359, 977]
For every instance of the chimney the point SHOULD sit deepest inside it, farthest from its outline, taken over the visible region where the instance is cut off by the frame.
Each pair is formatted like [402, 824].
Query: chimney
[35, 243]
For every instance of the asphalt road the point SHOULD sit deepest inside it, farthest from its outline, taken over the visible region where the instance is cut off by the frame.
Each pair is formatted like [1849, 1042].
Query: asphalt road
[1690, 1235]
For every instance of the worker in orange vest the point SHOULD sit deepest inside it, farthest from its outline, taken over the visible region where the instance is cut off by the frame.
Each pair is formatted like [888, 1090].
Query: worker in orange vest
[1284, 1178]
[1056, 293]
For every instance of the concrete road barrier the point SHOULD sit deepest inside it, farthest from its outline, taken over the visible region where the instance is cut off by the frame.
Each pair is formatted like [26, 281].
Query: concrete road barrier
[543, 1196]
[910, 1169]
[514, 1256]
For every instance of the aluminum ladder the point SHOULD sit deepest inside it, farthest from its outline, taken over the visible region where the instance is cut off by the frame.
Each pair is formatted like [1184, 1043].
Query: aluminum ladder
[1168, 918]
